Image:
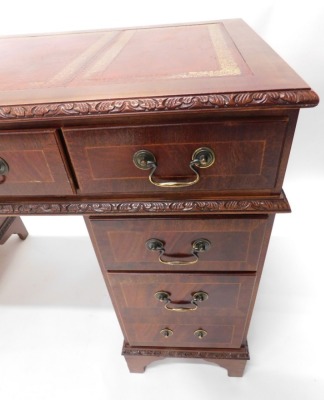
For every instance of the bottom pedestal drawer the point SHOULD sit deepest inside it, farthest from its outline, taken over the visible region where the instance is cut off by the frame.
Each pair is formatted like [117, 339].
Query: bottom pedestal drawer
[191, 310]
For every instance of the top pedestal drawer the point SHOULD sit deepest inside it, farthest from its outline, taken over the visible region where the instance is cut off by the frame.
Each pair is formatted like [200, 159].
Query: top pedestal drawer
[31, 164]
[247, 157]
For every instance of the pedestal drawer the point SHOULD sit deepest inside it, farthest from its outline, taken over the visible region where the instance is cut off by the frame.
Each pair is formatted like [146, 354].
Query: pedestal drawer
[216, 319]
[246, 157]
[31, 164]
[219, 243]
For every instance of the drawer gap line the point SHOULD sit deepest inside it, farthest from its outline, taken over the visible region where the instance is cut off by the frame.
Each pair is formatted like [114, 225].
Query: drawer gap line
[68, 161]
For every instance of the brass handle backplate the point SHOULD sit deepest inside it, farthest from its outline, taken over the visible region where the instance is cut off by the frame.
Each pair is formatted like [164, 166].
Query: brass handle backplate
[203, 157]
[200, 333]
[166, 332]
[198, 246]
[4, 169]
[180, 306]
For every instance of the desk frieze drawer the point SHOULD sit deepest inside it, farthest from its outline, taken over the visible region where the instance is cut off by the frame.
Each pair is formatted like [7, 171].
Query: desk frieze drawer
[31, 164]
[220, 243]
[223, 156]
[216, 320]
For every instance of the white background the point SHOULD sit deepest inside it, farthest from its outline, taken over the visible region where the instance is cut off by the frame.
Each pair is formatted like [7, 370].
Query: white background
[59, 338]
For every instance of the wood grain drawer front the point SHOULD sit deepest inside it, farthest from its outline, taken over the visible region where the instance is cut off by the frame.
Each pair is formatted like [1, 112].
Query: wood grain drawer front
[35, 165]
[222, 315]
[235, 243]
[247, 156]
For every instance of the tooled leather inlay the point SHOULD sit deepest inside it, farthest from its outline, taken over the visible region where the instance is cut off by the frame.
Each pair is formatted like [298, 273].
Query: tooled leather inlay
[128, 56]
[104, 60]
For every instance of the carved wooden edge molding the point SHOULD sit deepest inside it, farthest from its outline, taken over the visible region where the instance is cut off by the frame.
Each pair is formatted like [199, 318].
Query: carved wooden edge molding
[288, 98]
[146, 207]
[221, 354]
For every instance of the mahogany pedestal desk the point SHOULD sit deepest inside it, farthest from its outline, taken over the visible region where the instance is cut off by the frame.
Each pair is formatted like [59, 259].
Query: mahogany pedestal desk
[173, 143]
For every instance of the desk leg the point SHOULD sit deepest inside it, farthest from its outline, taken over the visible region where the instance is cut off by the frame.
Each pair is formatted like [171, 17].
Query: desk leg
[10, 226]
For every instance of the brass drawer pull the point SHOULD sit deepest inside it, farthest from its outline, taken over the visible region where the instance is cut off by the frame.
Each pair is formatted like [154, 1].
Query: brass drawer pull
[197, 297]
[201, 158]
[4, 169]
[200, 333]
[166, 332]
[198, 246]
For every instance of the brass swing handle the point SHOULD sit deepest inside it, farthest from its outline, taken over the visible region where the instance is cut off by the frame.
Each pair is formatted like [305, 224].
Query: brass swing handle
[201, 158]
[198, 246]
[4, 169]
[197, 297]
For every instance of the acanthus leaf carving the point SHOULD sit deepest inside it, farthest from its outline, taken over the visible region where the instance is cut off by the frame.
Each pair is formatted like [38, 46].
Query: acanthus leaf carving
[147, 207]
[104, 106]
[18, 111]
[145, 105]
[289, 98]
[219, 100]
[83, 108]
[41, 110]
[230, 354]
[173, 103]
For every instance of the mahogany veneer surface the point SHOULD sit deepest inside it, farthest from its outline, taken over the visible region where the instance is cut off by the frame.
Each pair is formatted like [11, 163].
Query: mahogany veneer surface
[235, 243]
[36, 166]
[223, 315]
[247, 155]
[75, 108]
